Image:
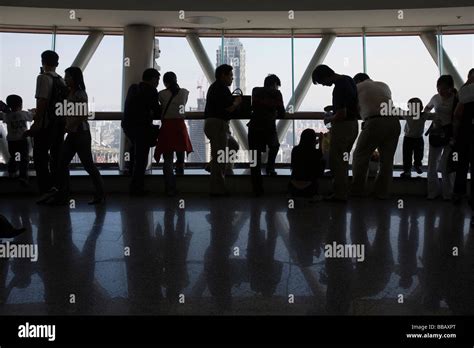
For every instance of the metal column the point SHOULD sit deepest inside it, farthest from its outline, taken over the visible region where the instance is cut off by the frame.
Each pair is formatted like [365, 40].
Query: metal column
[88, 49]
[429, 39]
[306, 81]
[208, 69]
[138, 45]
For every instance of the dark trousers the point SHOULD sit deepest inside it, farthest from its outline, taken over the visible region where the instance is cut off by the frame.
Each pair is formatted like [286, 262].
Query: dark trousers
[19, 157]
[139, 157]
[465, 151]
[79, 142]
[46, 155]
[307, 192]
[168, 174]
[258, 141]
[412, 152]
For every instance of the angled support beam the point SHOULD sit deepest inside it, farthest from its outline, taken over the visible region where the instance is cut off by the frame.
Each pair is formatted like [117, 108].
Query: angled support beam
[208, 69]
[429, 39]
[88, 49]
[306, 81]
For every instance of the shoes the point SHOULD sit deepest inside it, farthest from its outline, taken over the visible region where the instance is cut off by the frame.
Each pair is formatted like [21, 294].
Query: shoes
[418, 170]
[333, 198]
[271, 172]
[48, 195]
[405, 175]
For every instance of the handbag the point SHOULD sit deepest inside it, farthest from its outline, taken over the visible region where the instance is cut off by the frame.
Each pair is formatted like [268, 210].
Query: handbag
[244, 110]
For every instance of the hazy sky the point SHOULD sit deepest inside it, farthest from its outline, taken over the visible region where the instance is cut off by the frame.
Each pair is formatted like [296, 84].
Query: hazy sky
[402, 62]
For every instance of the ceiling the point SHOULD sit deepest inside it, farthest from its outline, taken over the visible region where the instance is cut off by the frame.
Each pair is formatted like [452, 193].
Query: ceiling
[321, 21]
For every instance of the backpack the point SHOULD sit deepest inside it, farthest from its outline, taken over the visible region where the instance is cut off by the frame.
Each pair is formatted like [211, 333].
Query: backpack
[59, 93]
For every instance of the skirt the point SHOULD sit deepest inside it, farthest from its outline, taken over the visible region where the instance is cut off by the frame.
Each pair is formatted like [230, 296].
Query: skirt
[173, 137]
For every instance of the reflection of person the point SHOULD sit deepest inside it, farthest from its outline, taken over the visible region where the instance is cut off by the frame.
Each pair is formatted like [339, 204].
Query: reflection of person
[407, 248]
[344, 127]
[267, 106]
[219, 106]
[264, 271]
[176, 246]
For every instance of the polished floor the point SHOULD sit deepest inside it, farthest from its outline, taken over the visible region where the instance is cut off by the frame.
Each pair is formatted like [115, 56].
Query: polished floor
[193, 255]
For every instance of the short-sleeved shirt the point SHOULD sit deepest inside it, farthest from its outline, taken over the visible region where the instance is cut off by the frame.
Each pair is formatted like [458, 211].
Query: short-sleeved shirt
[44, 85]
[218, 99]
[372, 94]
[443, 109]
[177, 103]
[16, 124]
[344, 95]
[267, 106]
[415, 127]
[78, 122]
[141, 106]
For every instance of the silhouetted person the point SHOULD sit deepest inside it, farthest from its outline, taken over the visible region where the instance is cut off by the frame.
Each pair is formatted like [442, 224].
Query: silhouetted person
[307, 165]
[141, 108]
[444, 104]
[267, 106]
[16, 121]
[219, 107]
[464, 141]
[48, 129]
[78, 141]
[413, 142]
[381, 131]
[344, 126]
[174, 136]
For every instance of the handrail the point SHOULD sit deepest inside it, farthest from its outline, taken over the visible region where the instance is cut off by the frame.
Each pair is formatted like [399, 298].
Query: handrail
[199, 115]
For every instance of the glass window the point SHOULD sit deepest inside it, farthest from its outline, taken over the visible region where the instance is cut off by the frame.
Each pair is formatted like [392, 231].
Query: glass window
[460, 49]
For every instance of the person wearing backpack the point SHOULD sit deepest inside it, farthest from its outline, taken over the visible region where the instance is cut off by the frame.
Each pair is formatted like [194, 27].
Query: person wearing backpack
[141, 108]
[267, 106]
[47, 129]
[173, 133]
[440, 136]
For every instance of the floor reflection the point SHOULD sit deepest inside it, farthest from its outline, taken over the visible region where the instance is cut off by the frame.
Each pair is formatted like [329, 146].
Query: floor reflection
[240, 256]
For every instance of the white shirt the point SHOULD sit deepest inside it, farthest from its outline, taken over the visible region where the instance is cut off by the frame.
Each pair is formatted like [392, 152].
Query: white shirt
[178, 103]
[443, 109]
[16, 124]
[371, 95]
[44, 84]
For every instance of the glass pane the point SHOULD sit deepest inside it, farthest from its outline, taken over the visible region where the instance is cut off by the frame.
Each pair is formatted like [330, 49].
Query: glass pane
[460, 49]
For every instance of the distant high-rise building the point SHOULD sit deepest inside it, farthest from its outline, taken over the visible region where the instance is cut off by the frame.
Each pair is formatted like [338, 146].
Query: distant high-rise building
[196, 130]
[234, 55]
